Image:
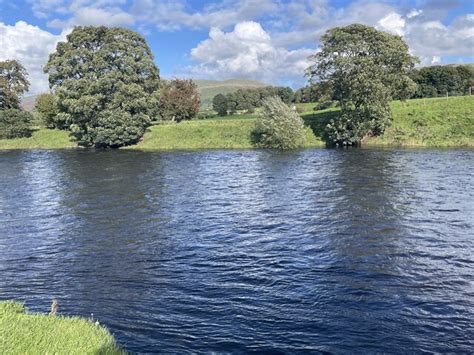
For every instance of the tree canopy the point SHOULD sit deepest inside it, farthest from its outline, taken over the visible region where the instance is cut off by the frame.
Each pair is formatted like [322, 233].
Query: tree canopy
[13, 83]
[107, 85]
[179, 100]
[365, 68]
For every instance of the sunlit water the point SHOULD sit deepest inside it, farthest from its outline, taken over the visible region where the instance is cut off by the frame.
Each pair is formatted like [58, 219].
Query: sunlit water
[237, 251]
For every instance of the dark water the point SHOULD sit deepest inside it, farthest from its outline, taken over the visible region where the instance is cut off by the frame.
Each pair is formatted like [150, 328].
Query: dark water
[318, 250]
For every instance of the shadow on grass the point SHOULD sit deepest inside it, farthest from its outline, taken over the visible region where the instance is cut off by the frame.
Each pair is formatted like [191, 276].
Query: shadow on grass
[318, 120]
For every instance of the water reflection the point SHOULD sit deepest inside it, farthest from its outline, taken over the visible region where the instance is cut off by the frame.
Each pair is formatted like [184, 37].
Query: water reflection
[324, 250]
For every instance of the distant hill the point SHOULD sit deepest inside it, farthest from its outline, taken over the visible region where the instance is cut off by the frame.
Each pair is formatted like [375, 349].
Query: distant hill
[207, 89]
[28, 102]
[210, 88]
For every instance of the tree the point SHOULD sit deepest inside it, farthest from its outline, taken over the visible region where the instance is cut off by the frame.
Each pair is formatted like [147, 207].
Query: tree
[179, 100]
[365, 69]
[47, 107]
[219, 104]
[14, 123]
[277, 126]
[13, 83]
[107, 85]
[286, 94]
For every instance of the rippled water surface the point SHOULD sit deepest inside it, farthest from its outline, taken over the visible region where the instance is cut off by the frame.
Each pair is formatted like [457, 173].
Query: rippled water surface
[237, 251]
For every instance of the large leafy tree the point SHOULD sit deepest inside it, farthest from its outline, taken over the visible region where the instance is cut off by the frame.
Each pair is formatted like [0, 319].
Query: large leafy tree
[107, 85]
[365, 68]
[179, 100]
[13, 83]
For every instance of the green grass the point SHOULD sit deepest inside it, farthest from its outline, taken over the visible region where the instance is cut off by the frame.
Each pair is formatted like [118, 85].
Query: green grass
[229, 133]
[436, 122]
[29, 333]
[41, 138]
[433, 122]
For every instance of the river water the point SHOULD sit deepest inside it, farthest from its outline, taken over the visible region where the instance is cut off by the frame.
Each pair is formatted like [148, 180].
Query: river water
[237, 251]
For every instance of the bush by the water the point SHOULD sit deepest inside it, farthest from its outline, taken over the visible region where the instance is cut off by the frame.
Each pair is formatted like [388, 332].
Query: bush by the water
[15, 124]
[277, 126]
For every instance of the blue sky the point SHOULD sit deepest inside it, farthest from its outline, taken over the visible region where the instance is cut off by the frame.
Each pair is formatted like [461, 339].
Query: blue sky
[268, 40]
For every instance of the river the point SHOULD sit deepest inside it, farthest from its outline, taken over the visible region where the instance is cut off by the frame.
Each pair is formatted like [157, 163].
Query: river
[359, 250]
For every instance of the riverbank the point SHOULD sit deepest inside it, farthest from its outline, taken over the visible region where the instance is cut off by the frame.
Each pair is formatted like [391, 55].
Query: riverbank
[436, 122]
[28, 333]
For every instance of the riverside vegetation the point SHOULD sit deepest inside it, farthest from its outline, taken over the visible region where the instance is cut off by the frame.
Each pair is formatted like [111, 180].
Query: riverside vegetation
[432, 122]
[28, 333]
[112, 103]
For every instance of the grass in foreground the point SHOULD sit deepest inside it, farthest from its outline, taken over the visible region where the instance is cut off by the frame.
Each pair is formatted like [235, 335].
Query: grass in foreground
[437, 122]
[23, 333]
[41, 138]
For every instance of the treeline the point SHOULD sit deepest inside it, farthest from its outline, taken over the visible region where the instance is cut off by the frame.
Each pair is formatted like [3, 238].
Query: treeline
[441, 79]
[249, 99]
[430, 81]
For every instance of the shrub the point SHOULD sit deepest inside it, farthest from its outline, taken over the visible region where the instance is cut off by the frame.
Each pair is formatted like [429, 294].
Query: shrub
[15, 124]
[277, 126]
[47, 107]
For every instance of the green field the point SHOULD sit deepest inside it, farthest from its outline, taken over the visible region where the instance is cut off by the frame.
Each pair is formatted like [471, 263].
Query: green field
[436, 122]
[29, 333]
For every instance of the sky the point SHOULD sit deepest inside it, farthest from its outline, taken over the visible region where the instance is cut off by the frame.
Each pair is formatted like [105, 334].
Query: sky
[266, 40]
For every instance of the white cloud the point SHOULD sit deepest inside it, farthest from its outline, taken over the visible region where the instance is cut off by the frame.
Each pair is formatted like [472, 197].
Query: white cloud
[173, 15]
[31, 46]
[92, 16]
[248, 52]
[393, 23]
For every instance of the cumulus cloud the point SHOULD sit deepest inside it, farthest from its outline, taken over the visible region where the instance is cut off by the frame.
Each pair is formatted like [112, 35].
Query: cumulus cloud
[92, 16]
[82, 12]
[393, 23]
[31, 46]
[248, 52]
[174, 15]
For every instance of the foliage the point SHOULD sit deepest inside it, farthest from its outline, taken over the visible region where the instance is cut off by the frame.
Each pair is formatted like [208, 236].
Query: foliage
[13, 83]
[436, 122]
[419, 122]
[47, 107]
[439, 79]
[219, 104]
[107, 85]
[15, 124]
[277, 126]
[251, 98]
[179, 100]
[27, 333]
[365, 69]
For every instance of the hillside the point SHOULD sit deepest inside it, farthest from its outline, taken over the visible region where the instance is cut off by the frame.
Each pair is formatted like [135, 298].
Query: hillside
[207, 89]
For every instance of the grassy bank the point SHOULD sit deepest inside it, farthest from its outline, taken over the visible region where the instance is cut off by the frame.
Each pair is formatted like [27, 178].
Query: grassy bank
[437, 122]
[23, 333]
[229, 133]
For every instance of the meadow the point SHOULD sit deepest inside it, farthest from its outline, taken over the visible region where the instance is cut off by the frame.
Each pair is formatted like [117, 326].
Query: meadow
[434, 122]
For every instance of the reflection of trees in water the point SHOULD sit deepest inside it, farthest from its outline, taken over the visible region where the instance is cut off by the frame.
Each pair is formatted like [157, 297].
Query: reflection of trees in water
[112, 208]
[367, 243]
